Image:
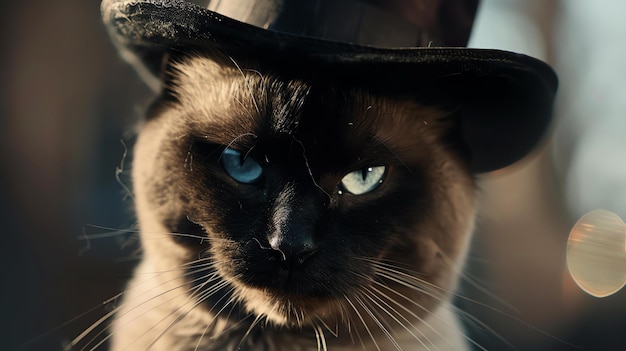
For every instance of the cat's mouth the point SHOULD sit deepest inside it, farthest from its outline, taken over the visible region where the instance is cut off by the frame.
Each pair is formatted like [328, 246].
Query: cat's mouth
[285, 274]
[287, 279]
[285, 288]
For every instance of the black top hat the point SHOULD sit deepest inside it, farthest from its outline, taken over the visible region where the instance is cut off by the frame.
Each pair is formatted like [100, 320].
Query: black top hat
[504, 99]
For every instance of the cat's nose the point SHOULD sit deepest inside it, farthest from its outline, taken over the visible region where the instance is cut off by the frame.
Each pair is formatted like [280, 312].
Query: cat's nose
[294, 225]
[294, 244]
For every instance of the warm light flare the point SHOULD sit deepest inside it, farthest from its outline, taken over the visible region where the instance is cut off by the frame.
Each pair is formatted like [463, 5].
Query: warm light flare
[596, 253]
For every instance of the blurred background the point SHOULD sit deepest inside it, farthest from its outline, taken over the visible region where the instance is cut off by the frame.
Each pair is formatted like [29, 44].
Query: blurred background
[67, 109]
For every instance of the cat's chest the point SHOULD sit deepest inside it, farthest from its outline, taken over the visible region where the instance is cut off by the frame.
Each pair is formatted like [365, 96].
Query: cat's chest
[157, 315]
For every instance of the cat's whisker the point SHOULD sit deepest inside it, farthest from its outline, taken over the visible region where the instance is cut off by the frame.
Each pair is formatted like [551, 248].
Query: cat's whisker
[410, 279]
[396, 270]
[194, 301]
[203, 239]
[87, 331]
[373, 294]
[345, 316]
[402, 296]
[380, 322]
[120, 169]
[396, 156]
[248, 82]
[409, 312]
[240, 322]
[234, 141]
[104, 318]
[199, 263]
[254, 323]
[480, 288]
[409, 284]
[367, 329]
[106, 329]
[210, 292]
[26, 345]
[111, 232]
[231, 301]
[333, 332]
[191, 268]
[390, 264]
[201, 338]
[473, 282]
[469, 316]
[194, 291]
[288, 310]
[91, 328]
[347, 320]
[240, 102]
[416, 284]
[300, 317]
[188, 163]
[412, 302]
[308, 168]
[99, 322]
[296, 313]
[320, 338]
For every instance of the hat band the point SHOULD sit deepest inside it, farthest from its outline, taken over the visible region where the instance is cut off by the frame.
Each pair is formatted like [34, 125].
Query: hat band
[348, 21]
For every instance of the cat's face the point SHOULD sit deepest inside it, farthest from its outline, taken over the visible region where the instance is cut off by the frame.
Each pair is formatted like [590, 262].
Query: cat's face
[315, 200]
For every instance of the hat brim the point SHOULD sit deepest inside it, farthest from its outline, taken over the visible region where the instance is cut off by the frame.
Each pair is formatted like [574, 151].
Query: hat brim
[505, 98]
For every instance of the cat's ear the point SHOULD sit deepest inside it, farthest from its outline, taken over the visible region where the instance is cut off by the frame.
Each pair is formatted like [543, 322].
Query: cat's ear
[167, 95]
[169, 74]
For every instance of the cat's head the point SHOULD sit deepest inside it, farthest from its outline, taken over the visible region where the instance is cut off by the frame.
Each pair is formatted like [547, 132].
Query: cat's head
[315, 198]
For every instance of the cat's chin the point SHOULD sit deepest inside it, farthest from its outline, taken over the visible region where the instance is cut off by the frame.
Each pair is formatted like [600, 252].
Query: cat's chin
[287, 309]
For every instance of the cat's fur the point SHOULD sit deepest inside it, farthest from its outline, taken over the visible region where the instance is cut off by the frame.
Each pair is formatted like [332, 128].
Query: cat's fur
[384, 263]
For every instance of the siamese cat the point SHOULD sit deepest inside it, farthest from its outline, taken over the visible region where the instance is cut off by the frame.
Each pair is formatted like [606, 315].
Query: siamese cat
[287, 211]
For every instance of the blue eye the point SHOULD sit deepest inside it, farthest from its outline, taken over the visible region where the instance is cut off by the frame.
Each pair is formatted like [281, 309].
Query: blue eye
[363, 180]
[244, 170]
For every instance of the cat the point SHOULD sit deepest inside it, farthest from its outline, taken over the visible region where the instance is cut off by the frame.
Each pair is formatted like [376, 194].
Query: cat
[282, 210]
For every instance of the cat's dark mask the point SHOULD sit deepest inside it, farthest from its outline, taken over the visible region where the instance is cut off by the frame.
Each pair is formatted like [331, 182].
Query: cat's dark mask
[294, 185]
[504, 99]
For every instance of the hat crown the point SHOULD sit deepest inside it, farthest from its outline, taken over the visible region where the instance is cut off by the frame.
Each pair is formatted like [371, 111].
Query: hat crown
[378, 23]
[503, 100]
